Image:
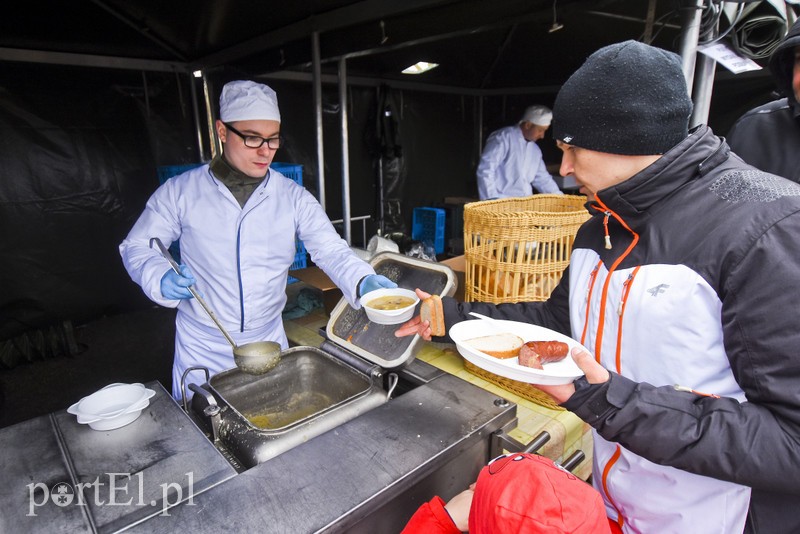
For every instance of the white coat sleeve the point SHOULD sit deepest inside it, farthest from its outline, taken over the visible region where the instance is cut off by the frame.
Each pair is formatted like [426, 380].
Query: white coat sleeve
[491, 158]
[543, 180]
[147, 266]
[328, 250]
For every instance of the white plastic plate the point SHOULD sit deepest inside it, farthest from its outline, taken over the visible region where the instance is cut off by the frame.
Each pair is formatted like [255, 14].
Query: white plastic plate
[562, 372]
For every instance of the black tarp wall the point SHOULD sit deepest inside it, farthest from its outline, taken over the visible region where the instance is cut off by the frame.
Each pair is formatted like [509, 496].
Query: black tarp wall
[76, 165]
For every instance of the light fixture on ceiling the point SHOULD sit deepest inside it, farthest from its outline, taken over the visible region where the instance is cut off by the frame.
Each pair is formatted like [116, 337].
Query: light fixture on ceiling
[198, 74]
[556, 25]
[420, 67]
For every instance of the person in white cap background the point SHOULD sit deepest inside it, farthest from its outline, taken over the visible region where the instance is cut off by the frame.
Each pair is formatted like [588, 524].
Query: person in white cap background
[236, 220]
[681, 287]
[511, 162]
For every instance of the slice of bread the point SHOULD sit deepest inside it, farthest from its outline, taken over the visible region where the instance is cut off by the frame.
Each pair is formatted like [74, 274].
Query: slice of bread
[431, 310]
[504, 345]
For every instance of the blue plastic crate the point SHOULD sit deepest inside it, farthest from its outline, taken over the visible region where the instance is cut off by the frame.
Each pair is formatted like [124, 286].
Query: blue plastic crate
[299, 246]
[166, 172]
[294, 172]
[300, 260]
[290, 170]
[428, 227]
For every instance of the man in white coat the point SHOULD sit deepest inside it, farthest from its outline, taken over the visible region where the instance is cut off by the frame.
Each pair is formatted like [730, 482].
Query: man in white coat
[511, 163]
[236, 220]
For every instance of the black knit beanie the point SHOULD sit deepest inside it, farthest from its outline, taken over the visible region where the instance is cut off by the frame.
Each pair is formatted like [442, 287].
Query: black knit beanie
[627, 98]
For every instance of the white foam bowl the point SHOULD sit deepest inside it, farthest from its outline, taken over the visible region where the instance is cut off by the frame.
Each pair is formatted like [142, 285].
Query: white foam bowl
[113, 406]
[389, 316]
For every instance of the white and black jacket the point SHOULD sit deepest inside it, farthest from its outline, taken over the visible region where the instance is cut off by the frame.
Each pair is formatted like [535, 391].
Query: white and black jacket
[699, 290]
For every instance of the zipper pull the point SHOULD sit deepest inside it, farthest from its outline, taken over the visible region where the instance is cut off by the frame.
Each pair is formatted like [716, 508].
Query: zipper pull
[690, 390]
[624, 293]
[605, 227]
[592, 276]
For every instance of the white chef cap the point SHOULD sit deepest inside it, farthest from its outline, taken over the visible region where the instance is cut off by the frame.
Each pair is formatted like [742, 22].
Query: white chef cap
[538, 115]
[243, 100]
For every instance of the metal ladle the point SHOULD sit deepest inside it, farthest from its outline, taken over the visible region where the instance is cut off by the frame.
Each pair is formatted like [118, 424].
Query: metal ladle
[254, 358]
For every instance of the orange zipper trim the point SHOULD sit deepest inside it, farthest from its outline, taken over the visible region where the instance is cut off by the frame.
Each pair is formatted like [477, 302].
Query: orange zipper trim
[601, 327]
[592, 280]
[626, 290]
[621, 312]
[611, 462]
[604, 295]
[690, 390]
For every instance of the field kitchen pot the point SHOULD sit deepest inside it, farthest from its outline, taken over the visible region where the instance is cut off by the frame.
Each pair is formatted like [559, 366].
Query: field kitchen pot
[312, 390]
[309, 392]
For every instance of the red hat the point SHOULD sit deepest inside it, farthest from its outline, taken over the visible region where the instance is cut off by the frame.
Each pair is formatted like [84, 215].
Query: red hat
[527, 494]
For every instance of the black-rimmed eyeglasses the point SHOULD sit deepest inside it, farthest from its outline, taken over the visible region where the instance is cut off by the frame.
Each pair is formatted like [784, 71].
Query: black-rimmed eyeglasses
[256, 141]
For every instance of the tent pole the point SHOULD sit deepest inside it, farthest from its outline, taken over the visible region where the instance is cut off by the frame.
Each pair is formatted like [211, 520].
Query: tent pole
[479, 100]
[381, 211]
[345, 151]
[317, 75]
[214, 143]
[690, 35]
[701, 94]
[196, 113]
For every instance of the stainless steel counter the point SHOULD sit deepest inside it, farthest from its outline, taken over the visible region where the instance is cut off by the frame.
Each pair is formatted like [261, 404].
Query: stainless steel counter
[367, 475]
[125, 475]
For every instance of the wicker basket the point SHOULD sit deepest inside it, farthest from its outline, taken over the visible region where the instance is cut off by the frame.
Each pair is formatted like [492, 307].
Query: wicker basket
[515, 249]
[526, 391]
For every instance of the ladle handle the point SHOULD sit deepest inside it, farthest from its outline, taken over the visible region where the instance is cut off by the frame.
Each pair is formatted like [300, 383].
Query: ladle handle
[195, 294]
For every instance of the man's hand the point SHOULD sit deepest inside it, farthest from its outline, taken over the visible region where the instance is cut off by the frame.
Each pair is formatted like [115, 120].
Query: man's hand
[458, 507]
[375, 281]
[175, 286]
[416, 325]
[595, 374]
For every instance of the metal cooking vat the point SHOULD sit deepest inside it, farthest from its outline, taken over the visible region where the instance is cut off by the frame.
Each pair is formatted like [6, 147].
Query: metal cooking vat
[308, 393]
[312, 390]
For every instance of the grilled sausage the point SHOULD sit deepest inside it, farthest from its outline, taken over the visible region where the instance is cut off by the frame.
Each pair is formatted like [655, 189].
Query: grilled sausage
[536, 353]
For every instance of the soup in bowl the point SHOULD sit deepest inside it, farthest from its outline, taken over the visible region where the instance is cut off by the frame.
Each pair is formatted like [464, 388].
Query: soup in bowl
[390, 306]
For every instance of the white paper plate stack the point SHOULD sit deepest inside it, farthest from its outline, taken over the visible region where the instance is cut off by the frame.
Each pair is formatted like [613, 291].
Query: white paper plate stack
[114, 406]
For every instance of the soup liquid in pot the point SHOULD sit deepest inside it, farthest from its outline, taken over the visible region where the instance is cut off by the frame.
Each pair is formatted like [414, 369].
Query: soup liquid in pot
[390, 303]
[300, 406]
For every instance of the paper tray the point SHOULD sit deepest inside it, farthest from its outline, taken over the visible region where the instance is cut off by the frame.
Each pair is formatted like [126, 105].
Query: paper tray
[352, 330]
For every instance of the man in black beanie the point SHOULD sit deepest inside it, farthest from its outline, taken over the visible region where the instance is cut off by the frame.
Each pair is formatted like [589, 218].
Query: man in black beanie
[627, 99]
[680, 285]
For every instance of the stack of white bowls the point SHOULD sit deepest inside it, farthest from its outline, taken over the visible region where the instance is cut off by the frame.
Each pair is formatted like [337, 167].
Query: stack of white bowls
[113, 406]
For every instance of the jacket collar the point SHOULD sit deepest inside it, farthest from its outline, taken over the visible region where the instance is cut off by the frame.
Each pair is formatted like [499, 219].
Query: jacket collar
[688, 160]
